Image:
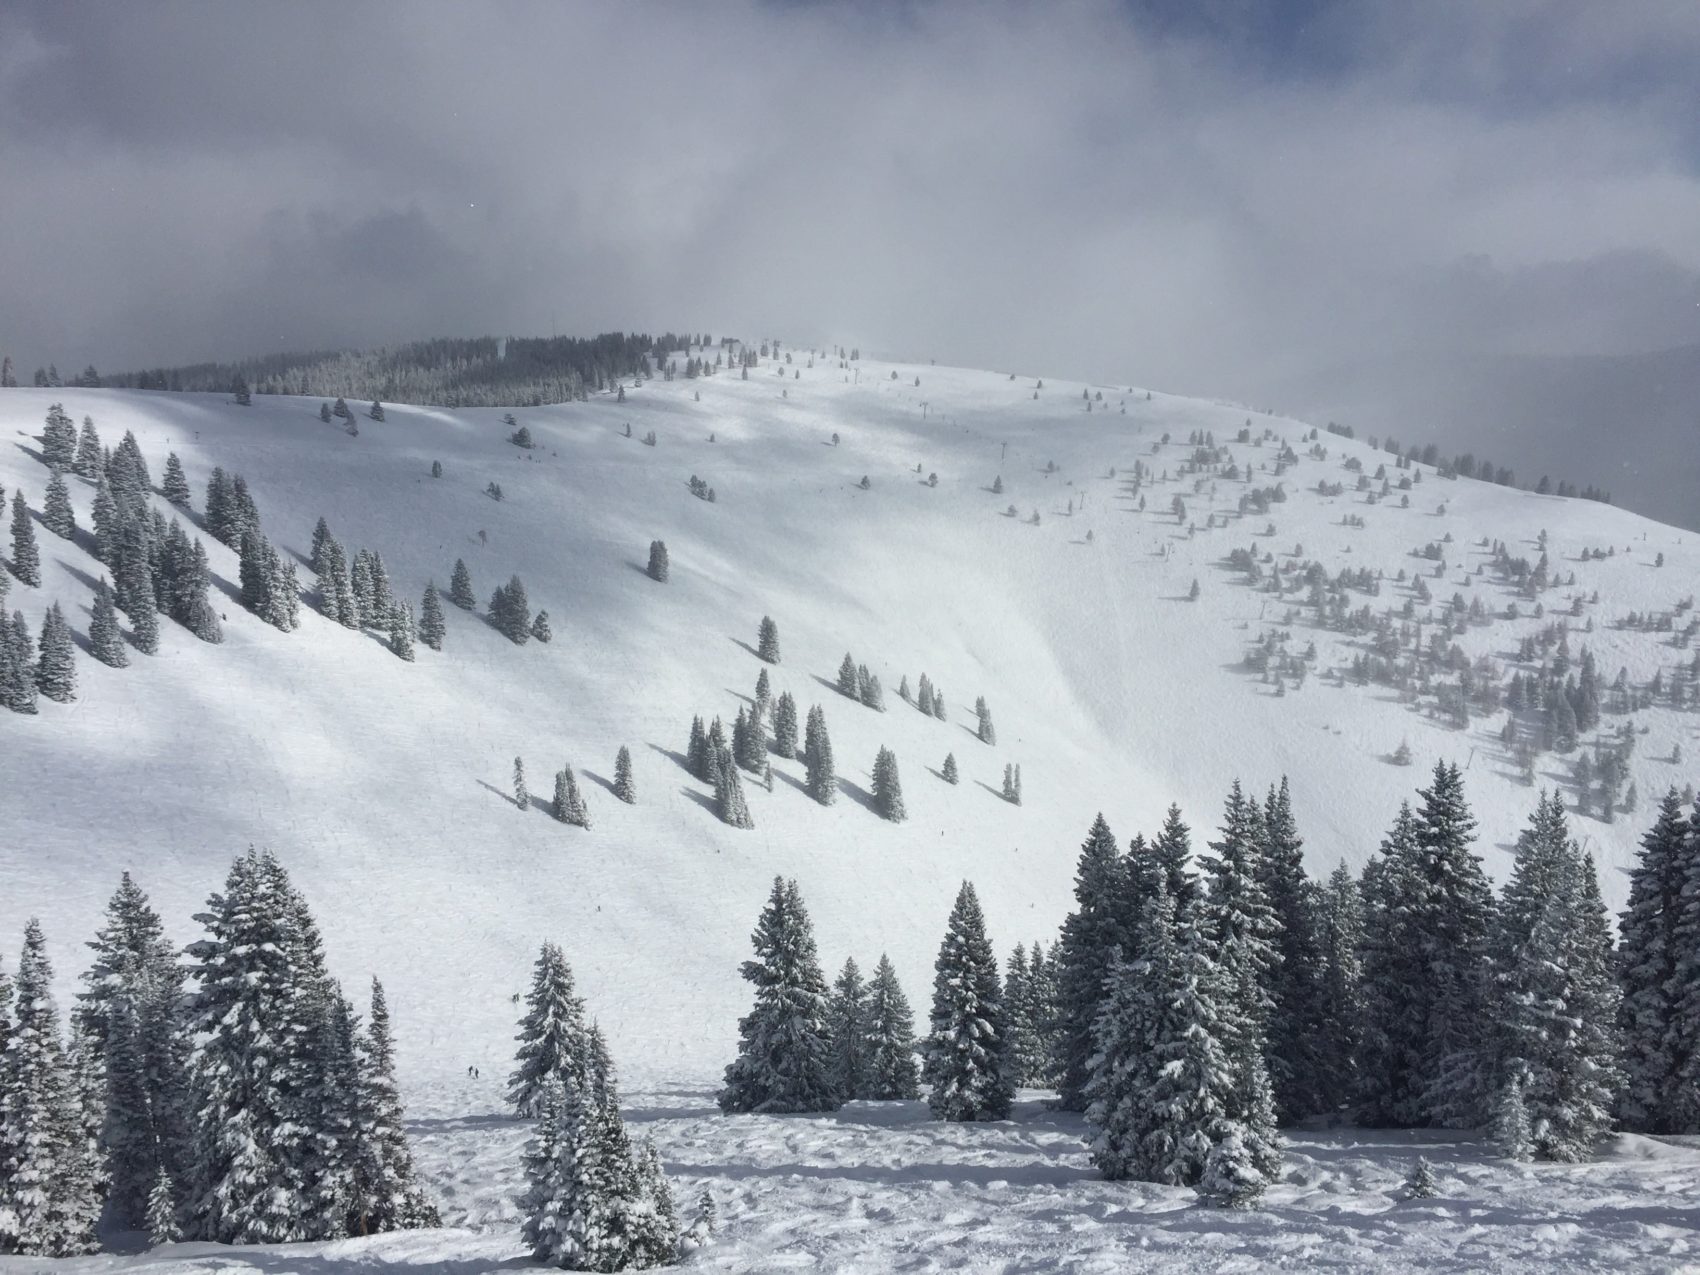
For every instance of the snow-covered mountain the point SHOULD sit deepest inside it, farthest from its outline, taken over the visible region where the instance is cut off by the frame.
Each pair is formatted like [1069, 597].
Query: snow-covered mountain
[384, 785]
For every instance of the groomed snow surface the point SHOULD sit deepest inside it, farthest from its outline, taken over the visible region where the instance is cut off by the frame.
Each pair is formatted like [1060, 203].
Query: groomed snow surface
[383, 785]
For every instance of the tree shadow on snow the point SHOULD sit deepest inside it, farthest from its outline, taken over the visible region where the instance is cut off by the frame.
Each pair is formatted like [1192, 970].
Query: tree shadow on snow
[860, 795]
[792, 780]
[505, 796]
[737, 641]
[996, 792]
[598, 779]
[702, 799]
[678, 759]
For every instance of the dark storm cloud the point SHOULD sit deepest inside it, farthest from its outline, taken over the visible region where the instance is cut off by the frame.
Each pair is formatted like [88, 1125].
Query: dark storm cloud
[1167, 193]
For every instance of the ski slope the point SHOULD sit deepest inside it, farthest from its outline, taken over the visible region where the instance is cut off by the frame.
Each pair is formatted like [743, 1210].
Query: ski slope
[384, 786]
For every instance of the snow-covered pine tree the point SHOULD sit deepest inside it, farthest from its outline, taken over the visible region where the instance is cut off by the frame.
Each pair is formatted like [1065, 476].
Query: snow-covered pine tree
[847, 1034]
[262, 997]
[888, 787]
[1393, 1035]
[1009, 793]
[785, 725]
[88, 463]
[460, 586]
[1339, 1009]
[1510, 1126]
[696, 751]
[1656, 1038]
[17, 673]
[729, 802]
[540, 627]
[986, 732]
[1026, 1047]
[322, 539]
[949, 771]
[892, 1070]
[56, 666]
[26, 557]
[176, 487]
[58, 439]
[42, 1206]
[106, 643]
[130, 1013]
[847, 680]
[1187, 1079]
[1090, 933]
[401, 631]
[763, 701]
[784, 1051]
[1419, 1182]
[544, 1224]
[1237, 920]
[510, 611]
[659, 568]
[431, 627]
[625, 784]
[1232, 1178]
[1295, 984]
[1454, 908]
[568, 806]
[767, 640]
[822, 778]
[56, 512]
[395, 1197]
[161, 1220]
[967, 1051]
[1555, 1000]
[553, 1043]
[522, 794]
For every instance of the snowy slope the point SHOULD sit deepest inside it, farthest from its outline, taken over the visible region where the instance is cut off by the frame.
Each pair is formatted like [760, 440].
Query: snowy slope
[383, 785]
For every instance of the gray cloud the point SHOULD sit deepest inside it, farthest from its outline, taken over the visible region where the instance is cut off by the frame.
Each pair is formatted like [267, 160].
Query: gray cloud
[1079, 188]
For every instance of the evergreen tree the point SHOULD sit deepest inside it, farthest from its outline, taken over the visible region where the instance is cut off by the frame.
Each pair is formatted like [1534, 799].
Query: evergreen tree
[625, 786]
[785, 725]
[130, 1013]
[767, 640]
[1657, 1038]
[949, 772]
[105, 641]
[888, 787]
[1556, 1000]
[56, 512]
[569, 805]
[658, 566]
[322, 540]
[56, 669]
[763, 702]
[17, 668]
[161, 1219]
[1026, 1046]
[696, 751]
[26, 558]
[401, 630]
[1419, 1182]
[1090, 934]
[822, 779]
[510, 611]
[553, 1046]
[522, 795]
[847, 1033]
[784, 1052]
[986, 732]
[892, 1072]
[58, 439]
[967, 1052]
[1510, 1129]
[729, 802]
[460, 587]
[1296, 984]
[1339, 1009]
[431, 627]
[43, 1209]
[176, 488]
[847, 683]
[540, 627]
[144, 624]
[1455, 907]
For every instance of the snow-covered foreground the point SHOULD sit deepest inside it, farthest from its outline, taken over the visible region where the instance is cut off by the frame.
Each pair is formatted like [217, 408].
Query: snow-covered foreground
[880, 1187]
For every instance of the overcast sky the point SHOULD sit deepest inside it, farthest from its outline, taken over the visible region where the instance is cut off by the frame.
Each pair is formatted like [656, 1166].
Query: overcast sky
[1159, 192]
